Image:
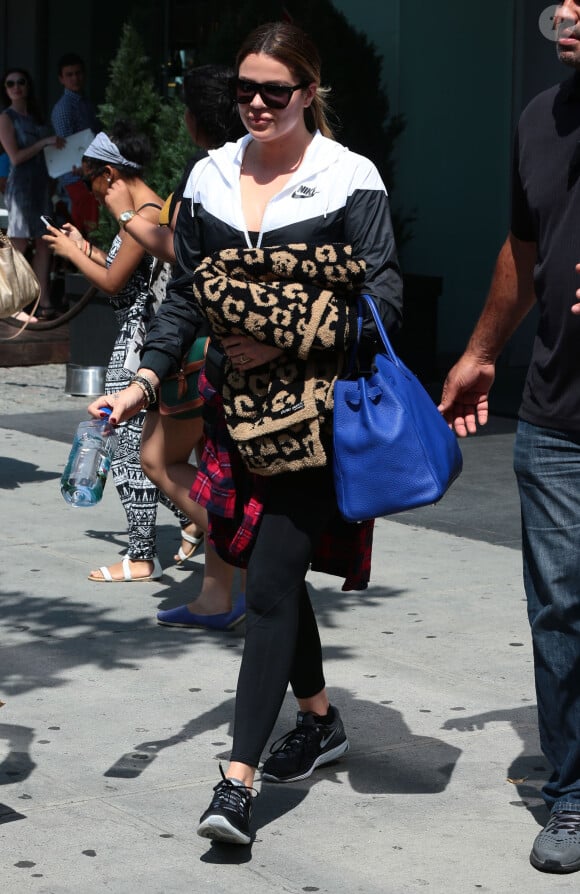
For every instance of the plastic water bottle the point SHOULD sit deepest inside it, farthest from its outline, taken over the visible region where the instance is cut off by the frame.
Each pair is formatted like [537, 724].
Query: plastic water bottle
[85, 474]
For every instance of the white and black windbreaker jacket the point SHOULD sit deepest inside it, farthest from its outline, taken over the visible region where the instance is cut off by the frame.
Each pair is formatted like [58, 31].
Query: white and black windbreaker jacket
[335, 196]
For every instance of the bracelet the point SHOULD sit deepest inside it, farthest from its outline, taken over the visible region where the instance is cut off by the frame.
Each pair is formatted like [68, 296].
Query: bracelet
[147, 387]
[144, 390]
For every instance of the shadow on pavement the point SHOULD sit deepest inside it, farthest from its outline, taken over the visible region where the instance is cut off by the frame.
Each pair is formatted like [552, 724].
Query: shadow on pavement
[529, 770]
[14, 473]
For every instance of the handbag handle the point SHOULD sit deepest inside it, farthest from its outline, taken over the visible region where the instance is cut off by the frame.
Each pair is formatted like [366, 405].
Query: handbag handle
[380, 329]
[379, 324]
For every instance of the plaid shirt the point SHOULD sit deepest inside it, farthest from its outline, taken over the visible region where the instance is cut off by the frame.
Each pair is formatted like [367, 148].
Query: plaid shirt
[234, 501]
[71, 114]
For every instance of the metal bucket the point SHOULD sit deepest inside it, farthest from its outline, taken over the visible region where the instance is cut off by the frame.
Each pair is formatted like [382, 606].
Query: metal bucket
[85, 381]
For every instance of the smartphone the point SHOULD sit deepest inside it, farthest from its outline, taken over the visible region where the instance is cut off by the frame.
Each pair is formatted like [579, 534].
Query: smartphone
[48, 221]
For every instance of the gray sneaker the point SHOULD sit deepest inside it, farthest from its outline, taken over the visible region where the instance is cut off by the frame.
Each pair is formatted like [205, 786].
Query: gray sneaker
[557, 847]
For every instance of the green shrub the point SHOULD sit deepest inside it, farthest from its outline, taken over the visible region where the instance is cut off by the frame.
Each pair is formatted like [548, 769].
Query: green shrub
[131, 94]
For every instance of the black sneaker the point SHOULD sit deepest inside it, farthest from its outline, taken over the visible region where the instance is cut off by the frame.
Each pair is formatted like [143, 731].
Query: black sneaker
[228, 816]
[557, 847]
[310, 745]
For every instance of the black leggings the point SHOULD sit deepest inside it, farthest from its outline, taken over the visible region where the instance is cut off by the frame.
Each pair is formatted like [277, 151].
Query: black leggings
[282, 643]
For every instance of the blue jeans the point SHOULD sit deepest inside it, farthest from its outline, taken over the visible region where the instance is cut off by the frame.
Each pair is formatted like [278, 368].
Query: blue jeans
[547, 466]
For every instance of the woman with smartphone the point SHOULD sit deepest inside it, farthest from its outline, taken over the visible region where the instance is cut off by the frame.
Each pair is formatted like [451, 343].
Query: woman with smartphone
[24, 135]
[124, 273]
[168, 441]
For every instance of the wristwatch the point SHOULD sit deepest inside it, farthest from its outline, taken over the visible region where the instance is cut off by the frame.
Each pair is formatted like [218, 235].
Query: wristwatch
[125, 217]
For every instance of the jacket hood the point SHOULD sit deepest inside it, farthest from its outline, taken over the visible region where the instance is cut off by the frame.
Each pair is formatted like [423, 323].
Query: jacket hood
[320, 155]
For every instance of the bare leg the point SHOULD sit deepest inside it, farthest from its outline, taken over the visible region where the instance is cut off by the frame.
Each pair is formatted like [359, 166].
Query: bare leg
[137, 568]
[22, 317]
[215, 597]
[243, 772]
[318, 704]
[19, 243]
[139, 498]
[41, 266]
[166, 447]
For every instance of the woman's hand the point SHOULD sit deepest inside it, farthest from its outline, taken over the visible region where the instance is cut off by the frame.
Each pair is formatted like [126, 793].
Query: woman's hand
[247, 353]
[95, 408]
[63, 242]
[59, 142]
[124, 404]
[74, 234]
[118, 199]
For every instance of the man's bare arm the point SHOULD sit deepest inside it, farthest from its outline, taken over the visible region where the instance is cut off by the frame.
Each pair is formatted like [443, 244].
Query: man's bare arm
[464, 401]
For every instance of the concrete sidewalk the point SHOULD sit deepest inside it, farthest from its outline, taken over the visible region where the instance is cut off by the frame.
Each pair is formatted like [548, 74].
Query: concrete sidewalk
[113, 727]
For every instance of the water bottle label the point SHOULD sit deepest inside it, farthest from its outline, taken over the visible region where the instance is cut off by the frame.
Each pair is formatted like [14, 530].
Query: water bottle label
[104, 466]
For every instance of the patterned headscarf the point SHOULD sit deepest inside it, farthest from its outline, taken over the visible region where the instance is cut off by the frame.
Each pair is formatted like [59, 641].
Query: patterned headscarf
[103, 149]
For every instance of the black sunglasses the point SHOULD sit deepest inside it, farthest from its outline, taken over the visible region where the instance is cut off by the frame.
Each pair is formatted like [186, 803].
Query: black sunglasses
[19, 82]
[88, 179]
[274, 96]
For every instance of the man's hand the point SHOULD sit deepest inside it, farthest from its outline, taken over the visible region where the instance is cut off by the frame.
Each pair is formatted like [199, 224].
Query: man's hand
[464, 401]
[576, 307]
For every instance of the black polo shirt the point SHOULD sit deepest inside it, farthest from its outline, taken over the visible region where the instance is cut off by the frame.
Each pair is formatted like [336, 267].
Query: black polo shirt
[546, 210]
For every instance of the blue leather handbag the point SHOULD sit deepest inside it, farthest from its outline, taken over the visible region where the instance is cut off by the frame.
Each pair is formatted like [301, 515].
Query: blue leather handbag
[393, 451]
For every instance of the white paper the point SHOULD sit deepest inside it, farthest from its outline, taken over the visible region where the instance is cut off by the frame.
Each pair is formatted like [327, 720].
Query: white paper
[62, 161]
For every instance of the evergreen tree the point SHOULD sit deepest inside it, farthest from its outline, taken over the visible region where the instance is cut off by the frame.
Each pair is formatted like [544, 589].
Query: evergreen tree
[130, 90]
[131, 94]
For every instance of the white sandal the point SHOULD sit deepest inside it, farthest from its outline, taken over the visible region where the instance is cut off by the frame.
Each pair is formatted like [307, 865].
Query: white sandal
[182, 556]
[107, 577]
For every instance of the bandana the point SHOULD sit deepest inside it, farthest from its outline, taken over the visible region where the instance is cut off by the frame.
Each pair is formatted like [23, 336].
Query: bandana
[103, 149]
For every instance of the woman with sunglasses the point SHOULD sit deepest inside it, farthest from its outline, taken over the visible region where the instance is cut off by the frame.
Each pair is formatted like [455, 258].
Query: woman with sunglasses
[284, 191]
[125, 275]
[24, 135]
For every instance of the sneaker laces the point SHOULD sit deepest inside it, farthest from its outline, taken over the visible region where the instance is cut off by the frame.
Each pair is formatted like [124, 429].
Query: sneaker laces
[564, 821]
[232, 796]
[295, 740]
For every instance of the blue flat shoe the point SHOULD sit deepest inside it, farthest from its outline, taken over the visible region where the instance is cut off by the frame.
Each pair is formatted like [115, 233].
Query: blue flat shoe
[182, 617]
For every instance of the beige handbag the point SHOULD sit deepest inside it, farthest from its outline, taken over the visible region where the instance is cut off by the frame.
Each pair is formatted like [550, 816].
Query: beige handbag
[19, 286]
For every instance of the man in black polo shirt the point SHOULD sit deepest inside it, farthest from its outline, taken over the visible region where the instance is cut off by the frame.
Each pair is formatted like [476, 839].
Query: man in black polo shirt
[537, 263]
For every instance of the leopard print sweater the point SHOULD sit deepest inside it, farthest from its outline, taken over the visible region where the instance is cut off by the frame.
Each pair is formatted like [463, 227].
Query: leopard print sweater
[301, 299]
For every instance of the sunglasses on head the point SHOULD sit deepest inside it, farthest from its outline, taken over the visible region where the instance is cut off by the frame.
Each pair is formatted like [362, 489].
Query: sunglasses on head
[19, 82]
[274, 96]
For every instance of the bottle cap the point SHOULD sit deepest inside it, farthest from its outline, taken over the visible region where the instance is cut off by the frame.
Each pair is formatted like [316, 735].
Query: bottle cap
[105, 411]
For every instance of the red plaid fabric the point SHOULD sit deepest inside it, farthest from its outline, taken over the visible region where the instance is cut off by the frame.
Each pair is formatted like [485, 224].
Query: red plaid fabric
[233, 499]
